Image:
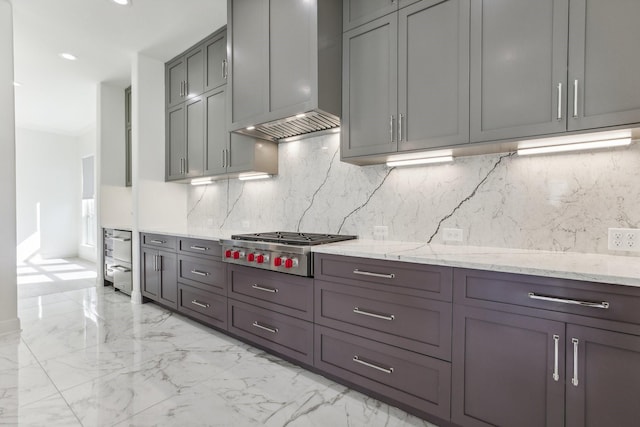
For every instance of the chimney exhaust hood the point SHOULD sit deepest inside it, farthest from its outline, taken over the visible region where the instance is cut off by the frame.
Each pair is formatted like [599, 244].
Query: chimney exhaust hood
[285, 67]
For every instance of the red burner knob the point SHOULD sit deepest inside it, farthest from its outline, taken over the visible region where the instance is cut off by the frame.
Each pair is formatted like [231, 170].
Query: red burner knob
[251, 257]
[260, 259]
[277, 261]
[236, 255]
[288, 263]
[228, 253]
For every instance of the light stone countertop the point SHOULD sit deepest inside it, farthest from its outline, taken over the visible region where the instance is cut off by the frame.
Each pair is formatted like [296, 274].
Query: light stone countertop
[117, 227]
[612, 269]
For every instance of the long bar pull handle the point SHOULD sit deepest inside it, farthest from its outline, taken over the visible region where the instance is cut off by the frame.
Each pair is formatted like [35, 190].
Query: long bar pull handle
[357, 310]
[357, 359]
[155, 263]
[256, 324]
[263, 289]
[224, 157]
[224, 69]
[122, 269]
[559, 116]
[381, 275]
[199, 273]
[160, 242]
[199, 304]
[198, 248]
[603, 304]
[120, 239]
[400, 120]
[556, 375]
[575, 98]
[574, 380]
[391, 128]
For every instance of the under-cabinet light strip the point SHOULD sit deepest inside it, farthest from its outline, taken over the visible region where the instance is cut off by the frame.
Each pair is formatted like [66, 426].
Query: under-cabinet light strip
[254, 177]
[591, 145]
[425, 161]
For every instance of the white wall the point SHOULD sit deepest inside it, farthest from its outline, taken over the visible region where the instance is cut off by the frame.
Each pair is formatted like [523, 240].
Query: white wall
[8, 286]
[48, 180]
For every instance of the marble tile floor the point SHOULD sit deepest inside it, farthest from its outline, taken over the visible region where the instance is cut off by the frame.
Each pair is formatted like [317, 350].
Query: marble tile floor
[89, 357]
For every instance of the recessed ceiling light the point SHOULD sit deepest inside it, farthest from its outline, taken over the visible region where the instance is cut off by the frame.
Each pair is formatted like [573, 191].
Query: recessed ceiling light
[251, 127]
[68, 56]
[122, 2]
[17, 84]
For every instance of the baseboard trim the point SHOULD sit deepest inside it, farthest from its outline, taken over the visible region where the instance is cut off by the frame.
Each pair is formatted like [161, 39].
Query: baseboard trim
[9, 326]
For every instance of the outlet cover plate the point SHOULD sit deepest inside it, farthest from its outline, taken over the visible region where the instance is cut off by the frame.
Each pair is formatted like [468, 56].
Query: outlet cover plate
[452, 234]
[624, 239]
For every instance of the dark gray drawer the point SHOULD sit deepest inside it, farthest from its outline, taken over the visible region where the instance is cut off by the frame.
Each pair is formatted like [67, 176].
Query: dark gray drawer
[206, 248]
[283, 334]
[208, 275]
[287, 294]
[502, 290]
[159, 241]
[205, 306]
[412, 379]
[419, 280]
[416, 324]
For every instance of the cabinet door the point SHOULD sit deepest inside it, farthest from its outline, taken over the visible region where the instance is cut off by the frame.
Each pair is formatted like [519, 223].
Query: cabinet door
[358, 12]
[518, 68]
[503, 369]
[433, 96]
[150, 279]
[216, 63]
[291, 67]
[603, 35]
[194, 63]
[249, 37]
[369, 88]
[176, 142]
[195, 128]
[168, 273]
[608, 378]
[175, 78]
[216, 132]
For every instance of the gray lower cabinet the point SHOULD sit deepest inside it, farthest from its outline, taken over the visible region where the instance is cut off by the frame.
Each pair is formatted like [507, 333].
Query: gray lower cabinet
[396, 98]
[603, 76]
[272, 310]
[159, 278]
[526, 354]
[385, 327]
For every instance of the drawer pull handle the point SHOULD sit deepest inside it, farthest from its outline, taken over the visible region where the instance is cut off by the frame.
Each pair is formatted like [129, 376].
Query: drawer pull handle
[265, 328]
[199, 248]
[574, 380]
[160, 242]
[357, 310]
[367, 273]
[603, 304]
[120, 239]
[263, 289]
[122, 269]
[199, 304]
[200, 273]
[357, 359]
[556, 339]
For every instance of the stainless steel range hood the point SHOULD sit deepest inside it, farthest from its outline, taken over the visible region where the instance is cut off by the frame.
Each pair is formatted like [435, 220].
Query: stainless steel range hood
[285, 67]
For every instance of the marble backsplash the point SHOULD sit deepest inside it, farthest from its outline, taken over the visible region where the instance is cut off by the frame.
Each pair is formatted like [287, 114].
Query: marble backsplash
[560, 202]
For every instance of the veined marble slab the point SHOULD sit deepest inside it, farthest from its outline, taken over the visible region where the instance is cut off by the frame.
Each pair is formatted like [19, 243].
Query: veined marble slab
[617, 270]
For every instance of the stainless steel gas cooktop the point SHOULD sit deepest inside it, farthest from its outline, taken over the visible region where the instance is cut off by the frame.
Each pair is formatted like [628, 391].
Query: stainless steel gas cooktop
[286, 252]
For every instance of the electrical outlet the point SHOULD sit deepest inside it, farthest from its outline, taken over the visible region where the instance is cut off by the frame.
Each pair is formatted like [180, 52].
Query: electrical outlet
[452, 234]
[624, 239]
[380, 232]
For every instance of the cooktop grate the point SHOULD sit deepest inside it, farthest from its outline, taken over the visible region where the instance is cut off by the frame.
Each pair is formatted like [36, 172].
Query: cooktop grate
[293, 238]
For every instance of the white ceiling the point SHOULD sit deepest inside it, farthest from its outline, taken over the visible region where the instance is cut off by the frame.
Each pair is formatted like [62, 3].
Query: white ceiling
[59, 96]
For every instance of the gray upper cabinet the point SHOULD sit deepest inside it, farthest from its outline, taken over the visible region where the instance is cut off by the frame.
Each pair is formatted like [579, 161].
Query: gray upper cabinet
[185, 139]
[358, 12]
[433, 95]
[369, 97]
[396, 97]
[518, 68]
[185, 77]
[174, 81]
[217, 135]
[215, 50]
[603, 72]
